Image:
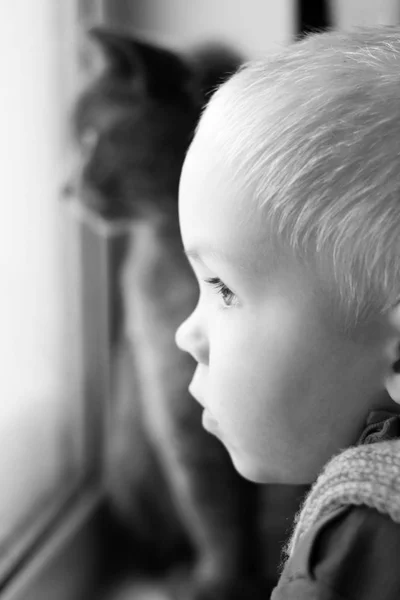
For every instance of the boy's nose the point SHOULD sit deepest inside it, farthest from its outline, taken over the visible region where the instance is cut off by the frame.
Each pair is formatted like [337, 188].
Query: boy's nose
[190, 337]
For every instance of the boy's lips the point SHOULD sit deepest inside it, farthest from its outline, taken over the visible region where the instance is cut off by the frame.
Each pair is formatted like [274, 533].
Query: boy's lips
[209, 423]
[196, 395]
[194, 388]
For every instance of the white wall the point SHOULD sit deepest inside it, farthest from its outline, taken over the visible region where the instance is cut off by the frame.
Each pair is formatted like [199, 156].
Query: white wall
[350, 13]
[254, 26]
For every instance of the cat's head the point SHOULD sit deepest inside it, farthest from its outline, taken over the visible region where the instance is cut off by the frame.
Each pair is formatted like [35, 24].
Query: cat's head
[135, 119]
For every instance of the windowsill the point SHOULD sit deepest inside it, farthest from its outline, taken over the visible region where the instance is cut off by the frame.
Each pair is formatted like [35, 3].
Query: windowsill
[68, 564]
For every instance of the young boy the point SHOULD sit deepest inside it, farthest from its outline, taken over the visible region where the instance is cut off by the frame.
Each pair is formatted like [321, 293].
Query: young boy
[290, 217]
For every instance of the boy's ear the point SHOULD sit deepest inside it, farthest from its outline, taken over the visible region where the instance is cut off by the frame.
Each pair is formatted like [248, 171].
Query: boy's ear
[163, 73]
[393, 377]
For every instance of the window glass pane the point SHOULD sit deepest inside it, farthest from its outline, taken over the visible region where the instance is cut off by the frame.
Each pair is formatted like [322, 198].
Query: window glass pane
[41, 416]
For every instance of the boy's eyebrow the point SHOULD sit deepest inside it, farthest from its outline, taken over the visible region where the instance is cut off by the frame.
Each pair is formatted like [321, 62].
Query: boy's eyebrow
[197, 255]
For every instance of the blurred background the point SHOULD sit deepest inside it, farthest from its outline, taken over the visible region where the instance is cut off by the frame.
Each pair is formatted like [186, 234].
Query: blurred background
[69, 415]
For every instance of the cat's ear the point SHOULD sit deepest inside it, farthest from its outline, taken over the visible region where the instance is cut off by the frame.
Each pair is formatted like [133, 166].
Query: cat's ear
[214, 63]
[162, 72]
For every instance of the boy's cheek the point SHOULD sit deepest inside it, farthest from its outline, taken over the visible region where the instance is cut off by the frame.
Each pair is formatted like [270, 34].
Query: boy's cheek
[234, 380]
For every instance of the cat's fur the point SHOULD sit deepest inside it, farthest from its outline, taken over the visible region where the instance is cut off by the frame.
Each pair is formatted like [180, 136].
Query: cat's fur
[168, 478]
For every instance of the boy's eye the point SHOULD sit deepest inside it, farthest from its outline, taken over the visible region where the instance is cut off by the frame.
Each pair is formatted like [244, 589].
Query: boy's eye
[228, 297]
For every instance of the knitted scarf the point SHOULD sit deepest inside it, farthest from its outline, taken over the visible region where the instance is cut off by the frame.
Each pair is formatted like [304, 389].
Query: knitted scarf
[367, 474]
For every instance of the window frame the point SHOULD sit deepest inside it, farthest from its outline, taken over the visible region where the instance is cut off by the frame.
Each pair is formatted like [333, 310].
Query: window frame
[62, 550]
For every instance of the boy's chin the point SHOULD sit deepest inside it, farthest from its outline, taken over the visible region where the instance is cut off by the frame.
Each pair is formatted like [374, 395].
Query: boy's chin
[258, 473]
[248, 469]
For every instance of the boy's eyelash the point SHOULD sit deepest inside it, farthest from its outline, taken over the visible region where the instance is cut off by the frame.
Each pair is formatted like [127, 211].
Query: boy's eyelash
[227, 295]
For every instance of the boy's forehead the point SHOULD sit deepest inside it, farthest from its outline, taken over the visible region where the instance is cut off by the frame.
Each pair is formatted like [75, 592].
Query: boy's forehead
[201, 161]
[215, 212]
[209, 181]
[207, 157]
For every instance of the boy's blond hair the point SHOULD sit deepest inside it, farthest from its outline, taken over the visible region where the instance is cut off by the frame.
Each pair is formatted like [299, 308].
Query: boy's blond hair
[314, 135]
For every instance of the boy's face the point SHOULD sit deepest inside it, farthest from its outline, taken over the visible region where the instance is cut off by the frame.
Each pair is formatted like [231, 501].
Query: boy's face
[282, 390]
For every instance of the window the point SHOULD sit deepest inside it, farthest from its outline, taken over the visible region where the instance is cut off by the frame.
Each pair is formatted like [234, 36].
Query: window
[55, 301]
[53, 385]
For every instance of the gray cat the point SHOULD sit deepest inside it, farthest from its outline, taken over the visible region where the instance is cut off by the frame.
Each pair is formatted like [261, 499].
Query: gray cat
[170, 482]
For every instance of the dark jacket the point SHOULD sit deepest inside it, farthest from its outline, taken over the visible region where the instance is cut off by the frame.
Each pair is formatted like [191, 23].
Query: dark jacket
[352, 554]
